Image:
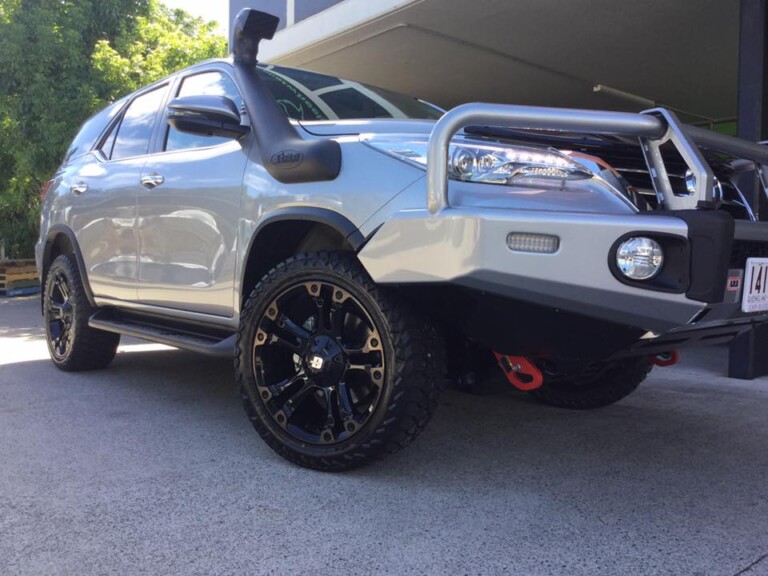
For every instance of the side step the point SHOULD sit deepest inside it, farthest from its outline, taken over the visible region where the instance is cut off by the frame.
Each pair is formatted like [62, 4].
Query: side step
[171, 332]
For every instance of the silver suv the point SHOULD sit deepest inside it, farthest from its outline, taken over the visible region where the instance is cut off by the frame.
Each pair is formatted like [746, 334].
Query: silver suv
[354, 248]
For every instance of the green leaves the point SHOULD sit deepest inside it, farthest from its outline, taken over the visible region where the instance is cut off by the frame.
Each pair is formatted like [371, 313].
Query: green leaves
[159, 44]
[62, 60]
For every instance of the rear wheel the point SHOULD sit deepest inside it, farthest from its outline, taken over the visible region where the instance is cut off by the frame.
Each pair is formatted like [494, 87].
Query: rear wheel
[334, 372]
[595, 386]
[72, 344]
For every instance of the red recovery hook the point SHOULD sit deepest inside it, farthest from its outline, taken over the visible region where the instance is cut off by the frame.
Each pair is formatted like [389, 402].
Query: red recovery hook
[664, 359]
[520, 371]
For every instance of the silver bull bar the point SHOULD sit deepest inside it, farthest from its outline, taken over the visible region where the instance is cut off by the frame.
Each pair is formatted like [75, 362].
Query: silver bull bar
[653, 128]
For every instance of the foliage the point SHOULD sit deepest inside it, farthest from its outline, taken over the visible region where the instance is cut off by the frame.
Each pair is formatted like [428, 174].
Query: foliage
[60, 61]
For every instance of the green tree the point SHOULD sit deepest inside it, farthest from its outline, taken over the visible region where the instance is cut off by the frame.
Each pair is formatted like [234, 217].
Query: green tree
[60, 61]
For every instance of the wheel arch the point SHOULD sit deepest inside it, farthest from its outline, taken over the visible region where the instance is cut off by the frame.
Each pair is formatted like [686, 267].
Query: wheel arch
[61, 240]
[285, 232]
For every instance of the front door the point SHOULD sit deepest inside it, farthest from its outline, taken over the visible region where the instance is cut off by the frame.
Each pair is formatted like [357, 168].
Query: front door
[189, 211]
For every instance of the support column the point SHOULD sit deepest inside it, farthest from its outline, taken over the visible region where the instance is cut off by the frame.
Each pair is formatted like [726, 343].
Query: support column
[748, 357]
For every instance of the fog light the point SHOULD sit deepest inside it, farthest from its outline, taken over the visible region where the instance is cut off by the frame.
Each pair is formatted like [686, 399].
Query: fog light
[639, 258]
[534, 243]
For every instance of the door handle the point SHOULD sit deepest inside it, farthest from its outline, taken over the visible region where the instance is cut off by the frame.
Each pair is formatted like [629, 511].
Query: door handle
[152, 180]
[78, 188]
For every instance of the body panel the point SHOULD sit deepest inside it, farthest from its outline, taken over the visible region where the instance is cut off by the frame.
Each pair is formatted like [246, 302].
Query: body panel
[103, 219]
[188, 228]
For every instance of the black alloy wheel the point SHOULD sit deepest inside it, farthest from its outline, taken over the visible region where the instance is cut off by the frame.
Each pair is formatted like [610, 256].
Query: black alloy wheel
[72, 343]
[60, 316]
[333, 371]
[318, 362]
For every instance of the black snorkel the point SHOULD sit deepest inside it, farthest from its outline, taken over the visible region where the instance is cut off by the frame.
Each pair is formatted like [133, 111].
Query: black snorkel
[285, 155]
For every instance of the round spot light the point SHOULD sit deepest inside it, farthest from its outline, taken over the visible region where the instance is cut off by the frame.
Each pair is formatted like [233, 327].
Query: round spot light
[639, 258]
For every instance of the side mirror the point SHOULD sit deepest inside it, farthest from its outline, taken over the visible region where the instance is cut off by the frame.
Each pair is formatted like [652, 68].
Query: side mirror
[206, 116]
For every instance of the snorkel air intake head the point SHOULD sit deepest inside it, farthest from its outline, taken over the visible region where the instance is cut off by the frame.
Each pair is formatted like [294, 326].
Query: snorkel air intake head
[250, 28]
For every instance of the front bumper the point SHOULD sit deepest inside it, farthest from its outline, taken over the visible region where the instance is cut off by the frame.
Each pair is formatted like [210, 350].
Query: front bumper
[468, 247]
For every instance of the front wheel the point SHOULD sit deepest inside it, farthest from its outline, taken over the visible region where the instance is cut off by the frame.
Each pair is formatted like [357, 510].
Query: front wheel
[334, 372]
[597, 385]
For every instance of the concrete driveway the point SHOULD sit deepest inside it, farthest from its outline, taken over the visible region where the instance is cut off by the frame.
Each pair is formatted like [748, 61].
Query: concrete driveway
[151, 467]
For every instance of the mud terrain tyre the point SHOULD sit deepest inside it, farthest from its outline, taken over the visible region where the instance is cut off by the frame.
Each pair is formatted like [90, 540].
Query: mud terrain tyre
[72, 344]
[334, 372]
[600, 386]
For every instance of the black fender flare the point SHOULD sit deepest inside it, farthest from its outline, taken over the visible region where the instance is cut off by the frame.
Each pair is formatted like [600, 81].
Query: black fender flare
[325, 216]
[330, 218]
[53, 232]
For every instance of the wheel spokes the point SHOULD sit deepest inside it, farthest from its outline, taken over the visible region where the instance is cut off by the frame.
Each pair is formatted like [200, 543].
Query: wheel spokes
[344, 401]
[293, 329]
[60, 315]
[318, 362]
[330, 421]
[297, 348]
[279, 389]
[61, 285]
[297, 398]
[55, 311]
[279, 329]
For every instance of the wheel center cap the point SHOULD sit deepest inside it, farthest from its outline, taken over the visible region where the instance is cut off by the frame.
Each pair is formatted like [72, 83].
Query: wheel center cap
[325, 358]
[316, 362]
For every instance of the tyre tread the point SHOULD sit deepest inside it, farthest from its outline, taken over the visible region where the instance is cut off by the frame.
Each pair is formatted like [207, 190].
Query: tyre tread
[420, 361]
[616, 383]
[92, 349]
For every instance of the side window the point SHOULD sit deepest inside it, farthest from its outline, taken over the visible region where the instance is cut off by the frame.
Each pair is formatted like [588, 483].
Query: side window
[108, 143]
[205, 84]
[135, 130]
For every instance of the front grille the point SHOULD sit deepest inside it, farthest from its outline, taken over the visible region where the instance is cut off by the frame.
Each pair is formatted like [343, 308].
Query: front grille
[743, 249]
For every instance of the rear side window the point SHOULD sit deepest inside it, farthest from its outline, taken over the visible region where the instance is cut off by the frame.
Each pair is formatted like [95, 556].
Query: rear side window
[205, 84]
[92, 129]
[135, 130]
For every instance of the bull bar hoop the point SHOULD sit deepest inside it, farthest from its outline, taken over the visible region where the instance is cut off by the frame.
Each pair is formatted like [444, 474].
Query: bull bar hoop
[653, 128]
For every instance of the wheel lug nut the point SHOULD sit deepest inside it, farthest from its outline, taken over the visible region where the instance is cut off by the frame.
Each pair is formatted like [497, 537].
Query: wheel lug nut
[261, 337]
[265, 395]
[377, 375]
[339, 295]
[350, 427]
[374, 342]
[280, 418]
[327, 437]
[314, 288]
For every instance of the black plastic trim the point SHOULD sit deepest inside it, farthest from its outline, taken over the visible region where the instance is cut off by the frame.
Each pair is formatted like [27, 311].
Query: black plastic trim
[711, 234]
[674, 276]
[330, 218]
[53, 232]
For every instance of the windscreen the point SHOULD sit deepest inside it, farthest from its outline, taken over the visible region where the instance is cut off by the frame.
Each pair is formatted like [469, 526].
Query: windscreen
[307, 95]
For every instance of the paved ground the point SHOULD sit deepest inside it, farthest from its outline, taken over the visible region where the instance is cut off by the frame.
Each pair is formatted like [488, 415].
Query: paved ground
[150, 467]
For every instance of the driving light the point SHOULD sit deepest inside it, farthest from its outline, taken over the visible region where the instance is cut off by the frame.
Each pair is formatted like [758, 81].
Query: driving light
[639, 258]
[477, 160]
[533, 243]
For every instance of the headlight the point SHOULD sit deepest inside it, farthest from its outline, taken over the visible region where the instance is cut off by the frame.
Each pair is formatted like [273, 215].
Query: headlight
[475, 160]
[639, 258]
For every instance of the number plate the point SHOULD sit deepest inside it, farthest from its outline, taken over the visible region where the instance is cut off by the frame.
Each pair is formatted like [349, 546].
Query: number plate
[755, 296]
